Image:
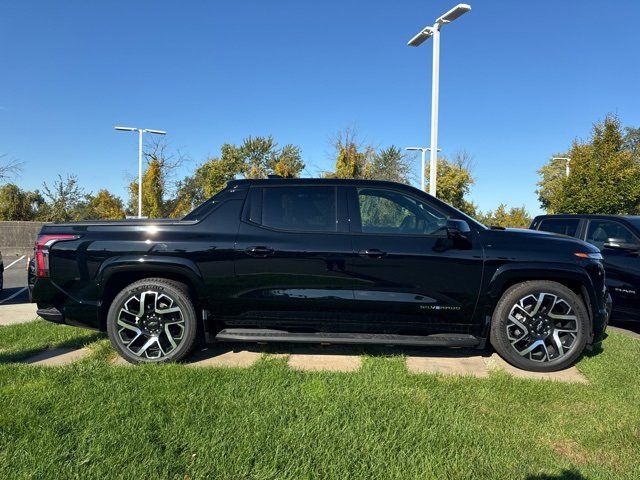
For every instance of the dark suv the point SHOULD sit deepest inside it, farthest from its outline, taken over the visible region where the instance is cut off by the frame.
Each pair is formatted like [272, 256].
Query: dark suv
[323, 260]
[618, 238]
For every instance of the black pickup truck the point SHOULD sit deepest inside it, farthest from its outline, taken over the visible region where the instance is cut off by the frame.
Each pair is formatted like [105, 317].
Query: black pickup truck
[618, 238]
[328, 261]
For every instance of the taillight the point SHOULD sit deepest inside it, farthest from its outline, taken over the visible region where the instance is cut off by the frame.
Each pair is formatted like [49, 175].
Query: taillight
[43, 244]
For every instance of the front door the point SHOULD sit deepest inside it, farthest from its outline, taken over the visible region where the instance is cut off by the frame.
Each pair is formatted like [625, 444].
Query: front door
[291, 253]
[409, 277]
[620, 249]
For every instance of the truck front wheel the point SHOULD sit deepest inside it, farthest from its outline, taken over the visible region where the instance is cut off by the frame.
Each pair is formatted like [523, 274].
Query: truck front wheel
[540, 326]
[152, 321]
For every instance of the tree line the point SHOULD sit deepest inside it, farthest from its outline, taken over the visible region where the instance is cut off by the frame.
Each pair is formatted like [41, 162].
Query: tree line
[604, 173]
[604, 178]
[256, 157]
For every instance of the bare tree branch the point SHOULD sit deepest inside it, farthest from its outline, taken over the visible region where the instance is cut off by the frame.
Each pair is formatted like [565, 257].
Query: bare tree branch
[9, 167]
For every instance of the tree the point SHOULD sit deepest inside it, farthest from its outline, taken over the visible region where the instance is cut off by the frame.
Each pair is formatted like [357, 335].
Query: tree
[455, 181]
[287, 162]
[388, 164]
[631, 142]
[208, 179]
[604, 176]
[17, 204]
[256, 157]
[64, 200]
[157, 185]
[103, 206]
[260, 156]
[517, 217]
[351, 156]
[8, 167]
[552, 182]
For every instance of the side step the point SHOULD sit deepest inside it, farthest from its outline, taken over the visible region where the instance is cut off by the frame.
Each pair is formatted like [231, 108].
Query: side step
[266, 335]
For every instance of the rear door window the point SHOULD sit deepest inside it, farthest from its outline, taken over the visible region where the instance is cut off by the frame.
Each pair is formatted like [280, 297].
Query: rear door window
[563, 226]
[300, 208]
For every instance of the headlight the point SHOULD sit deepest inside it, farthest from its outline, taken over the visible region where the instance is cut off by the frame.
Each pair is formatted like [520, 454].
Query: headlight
[591, 255]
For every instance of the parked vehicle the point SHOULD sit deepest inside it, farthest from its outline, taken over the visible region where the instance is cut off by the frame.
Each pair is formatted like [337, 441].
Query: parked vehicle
[618, 238]
[323, 260]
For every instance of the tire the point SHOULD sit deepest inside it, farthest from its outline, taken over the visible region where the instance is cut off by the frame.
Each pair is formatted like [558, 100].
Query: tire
[541, 326]
[158, 335]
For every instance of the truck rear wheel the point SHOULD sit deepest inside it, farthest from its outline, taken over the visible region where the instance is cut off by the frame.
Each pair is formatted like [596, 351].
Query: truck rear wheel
[540, 326]
[152, 321]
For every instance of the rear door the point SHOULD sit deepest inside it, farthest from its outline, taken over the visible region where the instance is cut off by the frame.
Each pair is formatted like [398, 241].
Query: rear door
[622, 265]
[291, 254]
[409, 277]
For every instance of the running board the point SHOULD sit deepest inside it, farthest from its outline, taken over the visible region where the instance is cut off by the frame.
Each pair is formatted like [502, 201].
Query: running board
[266, 335]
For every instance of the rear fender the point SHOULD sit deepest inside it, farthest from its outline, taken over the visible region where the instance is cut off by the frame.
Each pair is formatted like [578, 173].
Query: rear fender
[173, 267]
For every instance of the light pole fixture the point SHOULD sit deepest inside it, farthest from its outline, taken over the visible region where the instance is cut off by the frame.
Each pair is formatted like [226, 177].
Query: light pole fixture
[418, 39]
[423, 151]
[140, 132]
[567, 160]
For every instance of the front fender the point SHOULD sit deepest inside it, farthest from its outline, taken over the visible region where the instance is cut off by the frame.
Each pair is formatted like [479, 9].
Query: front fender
[510, 274]
[153, 265]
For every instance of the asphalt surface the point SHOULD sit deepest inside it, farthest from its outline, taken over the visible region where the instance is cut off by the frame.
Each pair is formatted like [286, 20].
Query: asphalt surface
[15, 281]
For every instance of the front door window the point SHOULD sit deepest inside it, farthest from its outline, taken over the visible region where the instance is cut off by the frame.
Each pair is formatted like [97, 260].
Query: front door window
[389, 212]
[605, 231]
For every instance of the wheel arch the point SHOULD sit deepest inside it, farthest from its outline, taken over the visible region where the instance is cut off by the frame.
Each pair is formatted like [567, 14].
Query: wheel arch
[572, 277]
[115, 275]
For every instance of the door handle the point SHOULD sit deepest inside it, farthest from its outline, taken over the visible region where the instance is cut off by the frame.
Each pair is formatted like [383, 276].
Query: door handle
[373, 253]
[259, 251]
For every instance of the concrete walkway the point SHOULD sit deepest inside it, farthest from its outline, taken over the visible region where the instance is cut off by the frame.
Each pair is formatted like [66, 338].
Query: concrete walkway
[313, 358]
[333, 359]
[14, 313]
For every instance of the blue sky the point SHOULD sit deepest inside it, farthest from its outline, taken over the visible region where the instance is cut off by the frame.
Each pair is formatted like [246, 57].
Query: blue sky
[519, 81]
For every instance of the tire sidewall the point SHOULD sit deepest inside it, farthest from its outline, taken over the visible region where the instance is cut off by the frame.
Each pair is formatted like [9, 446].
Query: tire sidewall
[501, 342]
[178, 295]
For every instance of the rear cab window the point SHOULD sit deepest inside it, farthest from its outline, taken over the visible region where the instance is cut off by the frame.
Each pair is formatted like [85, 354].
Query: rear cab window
[298, 208]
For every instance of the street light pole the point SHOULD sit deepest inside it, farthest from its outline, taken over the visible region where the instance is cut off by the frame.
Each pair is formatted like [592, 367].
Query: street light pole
[567, 160]
[423, 152]
[139, 173]
[140, 132]
[418, 39]
[435, 94]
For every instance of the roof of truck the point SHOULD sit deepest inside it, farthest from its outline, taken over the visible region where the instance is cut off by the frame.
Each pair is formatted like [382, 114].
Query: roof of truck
[273, 180]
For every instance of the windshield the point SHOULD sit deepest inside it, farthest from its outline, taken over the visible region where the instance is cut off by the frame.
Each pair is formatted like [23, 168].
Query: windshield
[635, 221]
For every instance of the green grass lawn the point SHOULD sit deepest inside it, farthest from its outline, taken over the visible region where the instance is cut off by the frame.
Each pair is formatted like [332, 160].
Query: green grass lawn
[93, 420]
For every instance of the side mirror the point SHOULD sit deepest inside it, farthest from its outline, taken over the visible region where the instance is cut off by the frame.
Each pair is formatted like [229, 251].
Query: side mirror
[620, 244]
[457, 228]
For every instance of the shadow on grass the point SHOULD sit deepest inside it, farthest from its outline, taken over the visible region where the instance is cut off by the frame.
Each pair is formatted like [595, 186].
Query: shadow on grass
[74, 343]
[571, 474]
[594, 350]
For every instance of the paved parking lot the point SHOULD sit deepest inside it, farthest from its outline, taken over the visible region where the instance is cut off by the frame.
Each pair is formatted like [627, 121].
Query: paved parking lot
[14, 299]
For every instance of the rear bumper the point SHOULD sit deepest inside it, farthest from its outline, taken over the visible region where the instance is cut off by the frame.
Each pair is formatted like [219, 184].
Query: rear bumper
[58, 306]
[51, 314]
